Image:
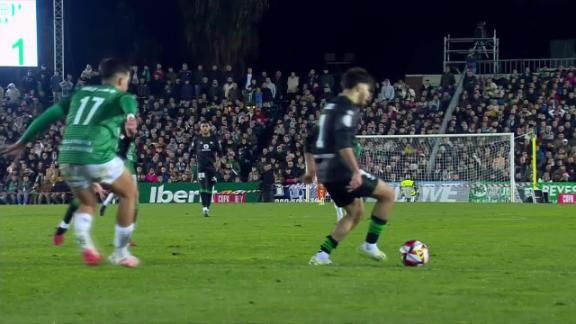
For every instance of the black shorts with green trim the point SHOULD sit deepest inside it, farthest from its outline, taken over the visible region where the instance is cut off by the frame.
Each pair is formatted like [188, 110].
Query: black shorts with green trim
[339, 192]
[206, 179]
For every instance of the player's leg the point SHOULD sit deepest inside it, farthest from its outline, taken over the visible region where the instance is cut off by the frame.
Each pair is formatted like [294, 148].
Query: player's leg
[339, 213]
[106, 202]
[78, 178]
[354, 211]
[384, 195]
[203, 187]
[204, 178]
[136, 205]
[125, 188]
[210, 192]
[65, 223]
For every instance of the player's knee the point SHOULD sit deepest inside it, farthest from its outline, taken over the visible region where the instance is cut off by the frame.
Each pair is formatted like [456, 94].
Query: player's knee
[384, 193]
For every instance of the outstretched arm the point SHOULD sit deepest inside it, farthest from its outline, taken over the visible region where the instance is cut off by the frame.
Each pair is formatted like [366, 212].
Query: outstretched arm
[39, 125]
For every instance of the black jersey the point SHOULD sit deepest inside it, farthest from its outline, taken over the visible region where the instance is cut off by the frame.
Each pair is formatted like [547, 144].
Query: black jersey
[335, 130]
[206, 149]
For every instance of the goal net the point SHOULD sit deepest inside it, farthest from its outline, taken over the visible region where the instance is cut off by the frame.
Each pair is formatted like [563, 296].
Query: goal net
[446, 167]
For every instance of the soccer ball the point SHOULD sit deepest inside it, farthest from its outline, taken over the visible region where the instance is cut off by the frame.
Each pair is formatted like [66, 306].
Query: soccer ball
[414, 254]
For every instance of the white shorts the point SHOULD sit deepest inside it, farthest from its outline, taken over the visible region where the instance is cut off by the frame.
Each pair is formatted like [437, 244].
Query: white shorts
[79, 176]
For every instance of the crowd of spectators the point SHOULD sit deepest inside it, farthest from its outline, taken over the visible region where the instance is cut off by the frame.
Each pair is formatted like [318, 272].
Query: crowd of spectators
[532, 102]
[262, 120]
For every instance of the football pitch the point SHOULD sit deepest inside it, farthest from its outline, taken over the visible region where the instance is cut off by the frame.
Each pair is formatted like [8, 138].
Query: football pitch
[490, 263]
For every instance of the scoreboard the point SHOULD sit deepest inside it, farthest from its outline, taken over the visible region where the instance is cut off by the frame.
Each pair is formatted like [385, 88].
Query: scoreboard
[18, 33]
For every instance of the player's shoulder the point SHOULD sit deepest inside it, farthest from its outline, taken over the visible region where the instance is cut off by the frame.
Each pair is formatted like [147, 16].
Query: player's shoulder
[340, 102]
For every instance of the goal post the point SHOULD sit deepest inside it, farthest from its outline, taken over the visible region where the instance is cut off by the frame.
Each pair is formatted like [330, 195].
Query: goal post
[445, 167]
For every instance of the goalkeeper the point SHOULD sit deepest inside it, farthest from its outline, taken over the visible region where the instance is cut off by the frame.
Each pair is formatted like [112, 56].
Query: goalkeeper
[408, 189]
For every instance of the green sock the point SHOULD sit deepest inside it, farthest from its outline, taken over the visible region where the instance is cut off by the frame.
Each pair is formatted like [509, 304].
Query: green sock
[72, 208]
[375, 229]
[329, 245]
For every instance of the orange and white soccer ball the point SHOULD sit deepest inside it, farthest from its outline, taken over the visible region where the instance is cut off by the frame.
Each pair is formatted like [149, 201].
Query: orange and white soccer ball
[414, 254]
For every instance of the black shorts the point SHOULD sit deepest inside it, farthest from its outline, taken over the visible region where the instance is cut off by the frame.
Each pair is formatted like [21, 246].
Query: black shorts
[206, 179]
[339, 193]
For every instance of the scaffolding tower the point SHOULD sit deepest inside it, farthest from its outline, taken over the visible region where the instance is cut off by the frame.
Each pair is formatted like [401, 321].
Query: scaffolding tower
[59, 37]
[485, 52]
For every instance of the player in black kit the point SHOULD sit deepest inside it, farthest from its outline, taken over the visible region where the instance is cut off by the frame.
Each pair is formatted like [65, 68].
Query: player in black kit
[330, 156]
[207, 149]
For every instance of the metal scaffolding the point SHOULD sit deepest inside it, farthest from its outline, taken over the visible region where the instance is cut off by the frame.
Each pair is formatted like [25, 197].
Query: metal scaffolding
[59, 37]
[485, 51]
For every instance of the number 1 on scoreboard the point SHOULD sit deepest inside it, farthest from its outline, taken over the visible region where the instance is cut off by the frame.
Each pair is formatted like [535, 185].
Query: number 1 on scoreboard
[20, 45]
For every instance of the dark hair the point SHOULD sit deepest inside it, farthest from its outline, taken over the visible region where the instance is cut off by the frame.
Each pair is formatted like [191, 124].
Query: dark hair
[354, 76]
[109, 67]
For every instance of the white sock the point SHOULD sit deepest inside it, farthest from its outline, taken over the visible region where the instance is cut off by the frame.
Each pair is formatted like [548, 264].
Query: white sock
[339, 213]
[108, 199]
[204, 208]
[82, 225]
[122, 239]
[64, 225]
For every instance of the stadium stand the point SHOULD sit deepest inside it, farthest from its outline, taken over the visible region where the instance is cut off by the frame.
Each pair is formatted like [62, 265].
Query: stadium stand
[262, 120]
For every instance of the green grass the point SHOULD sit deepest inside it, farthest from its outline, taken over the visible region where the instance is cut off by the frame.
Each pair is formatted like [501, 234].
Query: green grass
[246, 264]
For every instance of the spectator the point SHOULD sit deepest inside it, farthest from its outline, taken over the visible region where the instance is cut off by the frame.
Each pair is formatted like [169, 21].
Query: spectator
[145, 74]
[12, 189]
[151, 176]
[29, 83]
[247, 79]
[60, 191]
[13, 94]
[67, 86]
[55, 82]
[215, 74]
[228, 73]
[267, 184]
[447, 81]
[185, 74]
[159, 73]
[280, 84]
[157, 84]
[143, 89]
[327, 79]
[386, 91]
[227, 86]
[293, 84]
[24, 189]
[268, 84]
[89, 75]
[215, 91]
[171, 75]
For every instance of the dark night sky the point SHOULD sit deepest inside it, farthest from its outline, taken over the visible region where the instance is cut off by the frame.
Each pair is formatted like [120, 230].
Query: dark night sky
[390, 37]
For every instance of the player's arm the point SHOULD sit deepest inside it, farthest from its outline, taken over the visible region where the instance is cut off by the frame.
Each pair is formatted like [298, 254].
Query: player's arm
[129, 107]
[192, 149]
[310, 168]
[309, 157]
[39, 125]
[344, 143]
[124, 145]
[217, 155]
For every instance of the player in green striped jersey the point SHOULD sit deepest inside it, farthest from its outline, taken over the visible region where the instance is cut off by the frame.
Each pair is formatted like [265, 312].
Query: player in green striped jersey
[94, 116]
[127, 151]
